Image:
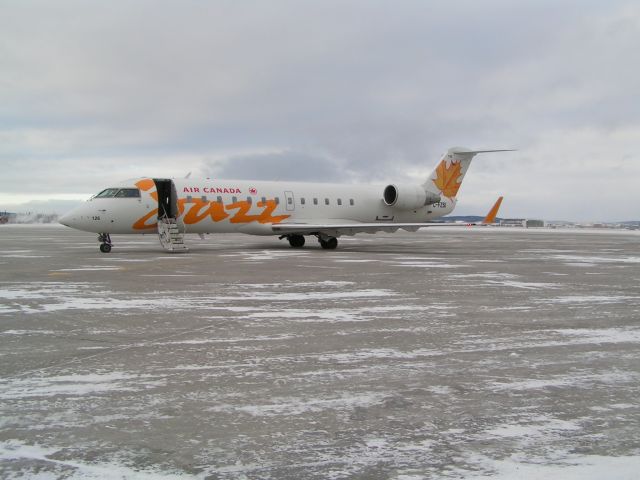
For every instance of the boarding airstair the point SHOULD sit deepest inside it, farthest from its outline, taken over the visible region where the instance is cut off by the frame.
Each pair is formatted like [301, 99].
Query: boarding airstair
[171, 238]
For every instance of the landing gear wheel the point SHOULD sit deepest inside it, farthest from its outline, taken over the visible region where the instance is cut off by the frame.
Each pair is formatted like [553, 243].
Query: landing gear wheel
[296, 241]
[105, 242]
[331, 243]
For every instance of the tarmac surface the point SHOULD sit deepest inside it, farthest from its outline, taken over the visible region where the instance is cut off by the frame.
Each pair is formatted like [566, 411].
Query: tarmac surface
[448, 353]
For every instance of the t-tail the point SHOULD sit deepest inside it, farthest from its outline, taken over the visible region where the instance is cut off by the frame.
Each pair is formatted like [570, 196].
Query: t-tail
[447, 177]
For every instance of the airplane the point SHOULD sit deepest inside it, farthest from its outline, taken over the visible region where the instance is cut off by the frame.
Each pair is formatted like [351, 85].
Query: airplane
[292, 210]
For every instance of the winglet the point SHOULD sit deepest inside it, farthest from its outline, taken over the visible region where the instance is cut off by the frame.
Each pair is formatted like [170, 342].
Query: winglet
[491, 216]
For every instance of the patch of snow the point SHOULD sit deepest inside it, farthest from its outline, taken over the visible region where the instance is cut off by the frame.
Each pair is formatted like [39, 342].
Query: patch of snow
[602, 335]
[75, 469]
[24, 256]
[572, 467]
[315, 295]
[567, 299]
[593, 260]
[440, 390]
[488, 275]
[566, 381]
[368, 354]
[532, 429]
[27, 332]
[262, 338]
[523, 285]
[173, 275]
[299, 406]
[74, 385]
[427, 265]
[99, 268]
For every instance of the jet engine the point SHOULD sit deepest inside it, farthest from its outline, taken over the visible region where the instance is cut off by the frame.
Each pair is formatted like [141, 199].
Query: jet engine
[408, 197]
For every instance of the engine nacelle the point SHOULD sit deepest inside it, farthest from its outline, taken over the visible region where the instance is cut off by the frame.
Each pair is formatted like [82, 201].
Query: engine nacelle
[408, 197]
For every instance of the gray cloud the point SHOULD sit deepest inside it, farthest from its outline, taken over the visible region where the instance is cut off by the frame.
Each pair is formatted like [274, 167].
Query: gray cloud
[356, 91]
[287, 165]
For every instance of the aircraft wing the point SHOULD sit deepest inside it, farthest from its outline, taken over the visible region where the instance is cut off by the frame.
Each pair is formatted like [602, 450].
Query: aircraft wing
[336, 228]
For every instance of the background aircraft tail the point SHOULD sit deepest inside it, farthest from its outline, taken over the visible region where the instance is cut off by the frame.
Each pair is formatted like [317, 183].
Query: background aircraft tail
[493, 213]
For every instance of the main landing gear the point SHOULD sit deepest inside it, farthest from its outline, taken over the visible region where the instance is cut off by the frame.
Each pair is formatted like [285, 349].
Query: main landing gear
[326, 242]
[296, 241]
[105, 242]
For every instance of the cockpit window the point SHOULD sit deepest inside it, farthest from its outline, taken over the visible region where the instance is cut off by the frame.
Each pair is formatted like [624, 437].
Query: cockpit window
[107, 193]
[128, 193]
[119, 193]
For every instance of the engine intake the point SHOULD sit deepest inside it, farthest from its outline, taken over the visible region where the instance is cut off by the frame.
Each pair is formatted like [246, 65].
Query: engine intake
[408, 197]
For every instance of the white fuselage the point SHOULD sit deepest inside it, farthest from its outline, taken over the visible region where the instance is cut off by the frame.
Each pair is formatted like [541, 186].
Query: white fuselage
[225, 206]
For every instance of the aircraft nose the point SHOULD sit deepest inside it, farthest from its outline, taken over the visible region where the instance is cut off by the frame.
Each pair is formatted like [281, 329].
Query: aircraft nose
[70, 219]
[66, 219]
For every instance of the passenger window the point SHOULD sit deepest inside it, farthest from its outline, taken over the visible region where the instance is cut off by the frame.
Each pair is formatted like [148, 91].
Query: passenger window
[326, 201]
[339, 201]
[219, 199]
[189, 199]
[277, 199]
[315, 201]
[204, 198]
[351, 202]
[249, 199]
[264, 200]
[290, 201]
[234, 199]
[302, 200]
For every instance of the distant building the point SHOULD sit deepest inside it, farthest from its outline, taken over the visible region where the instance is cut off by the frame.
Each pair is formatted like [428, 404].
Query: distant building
[24, 218]
[521, 222]
[6, 217]
[530, 223]
[512, 222]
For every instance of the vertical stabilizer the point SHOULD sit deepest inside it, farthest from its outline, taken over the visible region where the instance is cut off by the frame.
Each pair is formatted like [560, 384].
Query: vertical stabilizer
[493, 213]
[448, 175]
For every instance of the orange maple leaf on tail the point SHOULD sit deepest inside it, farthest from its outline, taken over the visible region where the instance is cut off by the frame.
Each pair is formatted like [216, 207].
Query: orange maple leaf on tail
[447, 178]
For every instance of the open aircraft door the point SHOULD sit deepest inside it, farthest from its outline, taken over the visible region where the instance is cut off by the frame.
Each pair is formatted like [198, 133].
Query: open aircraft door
[167, 198]
[171, 228]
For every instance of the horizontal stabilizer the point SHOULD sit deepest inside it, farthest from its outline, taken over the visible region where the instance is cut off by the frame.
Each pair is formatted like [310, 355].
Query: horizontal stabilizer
[474, 152]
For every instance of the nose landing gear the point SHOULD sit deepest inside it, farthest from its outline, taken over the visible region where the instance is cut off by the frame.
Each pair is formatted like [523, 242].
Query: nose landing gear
[105, 242]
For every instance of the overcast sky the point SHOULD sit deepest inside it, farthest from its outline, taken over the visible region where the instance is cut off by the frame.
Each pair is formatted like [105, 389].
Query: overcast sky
[93, 92]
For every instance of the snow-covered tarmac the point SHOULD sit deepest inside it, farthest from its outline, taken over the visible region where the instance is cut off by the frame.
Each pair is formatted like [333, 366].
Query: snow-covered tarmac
[449, 353]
